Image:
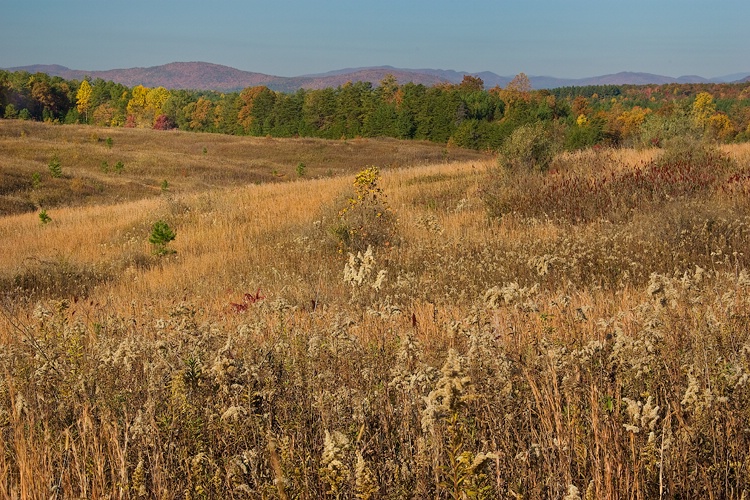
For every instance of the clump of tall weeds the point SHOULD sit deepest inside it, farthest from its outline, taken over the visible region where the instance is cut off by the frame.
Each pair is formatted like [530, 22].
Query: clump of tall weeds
[365, 219]
[683, 172]
[535, 402]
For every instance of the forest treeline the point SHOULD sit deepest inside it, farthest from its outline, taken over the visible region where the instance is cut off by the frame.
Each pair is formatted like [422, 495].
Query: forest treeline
[465, 114]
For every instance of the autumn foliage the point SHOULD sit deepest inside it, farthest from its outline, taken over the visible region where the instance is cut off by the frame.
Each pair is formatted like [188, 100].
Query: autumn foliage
[464, 114]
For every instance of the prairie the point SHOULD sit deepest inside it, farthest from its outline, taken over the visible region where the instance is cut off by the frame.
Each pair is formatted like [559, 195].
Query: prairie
[189, 162]
[578, 333]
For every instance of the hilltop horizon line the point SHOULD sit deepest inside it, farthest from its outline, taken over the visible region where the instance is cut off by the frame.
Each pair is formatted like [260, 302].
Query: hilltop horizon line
[201, 75]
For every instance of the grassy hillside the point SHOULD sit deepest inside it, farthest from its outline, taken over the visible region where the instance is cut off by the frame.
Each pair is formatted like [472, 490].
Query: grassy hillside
[579, 332]
[189, 162]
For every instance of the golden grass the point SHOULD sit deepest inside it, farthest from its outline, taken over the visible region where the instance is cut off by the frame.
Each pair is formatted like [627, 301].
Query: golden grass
[188, 162]
[520, 357]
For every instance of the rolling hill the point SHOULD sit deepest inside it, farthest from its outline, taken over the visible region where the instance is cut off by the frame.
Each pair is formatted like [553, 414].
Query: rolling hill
[208, 76]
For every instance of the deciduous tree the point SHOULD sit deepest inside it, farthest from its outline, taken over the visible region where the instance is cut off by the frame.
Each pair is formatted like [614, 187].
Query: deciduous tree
[257, 104]
[155, 99]
[137, 104]
[517, 96]
[83, 99]
[471, 84]
[703, 108]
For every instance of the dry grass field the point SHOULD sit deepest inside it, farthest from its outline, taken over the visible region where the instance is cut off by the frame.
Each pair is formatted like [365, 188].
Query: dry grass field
[578, 334]
[188, 162]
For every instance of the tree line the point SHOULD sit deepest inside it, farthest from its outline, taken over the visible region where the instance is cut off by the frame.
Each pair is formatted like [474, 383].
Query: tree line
[464, 114]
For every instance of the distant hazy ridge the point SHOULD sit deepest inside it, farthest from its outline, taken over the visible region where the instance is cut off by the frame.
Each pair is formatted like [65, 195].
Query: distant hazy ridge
[207, 76]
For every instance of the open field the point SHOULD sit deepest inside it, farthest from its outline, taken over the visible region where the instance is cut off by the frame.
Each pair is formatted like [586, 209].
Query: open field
[189, 162]
[580, 333]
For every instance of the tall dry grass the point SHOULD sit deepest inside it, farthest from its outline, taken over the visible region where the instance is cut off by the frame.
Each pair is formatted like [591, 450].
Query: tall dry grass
[189, 162]
[532, 355]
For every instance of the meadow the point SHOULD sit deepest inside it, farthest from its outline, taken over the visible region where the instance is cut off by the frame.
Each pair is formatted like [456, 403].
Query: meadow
[436, 327]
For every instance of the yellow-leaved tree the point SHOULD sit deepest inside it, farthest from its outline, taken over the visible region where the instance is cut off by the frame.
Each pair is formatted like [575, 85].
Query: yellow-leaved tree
[155, 99]
[715, 124]
[83, 99]
[703, 108]
[632, 120]
[137, 104]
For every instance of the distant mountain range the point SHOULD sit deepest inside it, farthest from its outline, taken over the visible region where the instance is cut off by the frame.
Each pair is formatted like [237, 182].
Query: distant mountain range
[207, 76]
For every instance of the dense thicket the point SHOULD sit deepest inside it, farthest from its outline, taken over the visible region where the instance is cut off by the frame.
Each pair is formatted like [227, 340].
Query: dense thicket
[465, 114]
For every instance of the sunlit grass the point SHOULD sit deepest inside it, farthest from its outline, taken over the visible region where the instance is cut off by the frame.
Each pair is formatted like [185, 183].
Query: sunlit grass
[608, 354]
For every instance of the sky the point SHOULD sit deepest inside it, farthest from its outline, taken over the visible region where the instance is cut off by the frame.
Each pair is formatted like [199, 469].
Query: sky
[567, 39]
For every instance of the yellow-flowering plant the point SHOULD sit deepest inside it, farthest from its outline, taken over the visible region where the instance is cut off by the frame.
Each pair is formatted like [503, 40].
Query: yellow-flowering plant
[366, 219]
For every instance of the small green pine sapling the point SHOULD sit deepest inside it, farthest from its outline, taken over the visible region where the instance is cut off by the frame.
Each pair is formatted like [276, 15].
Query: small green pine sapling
[301, 169]
[36, 180]
[119, 167]
[164, 186]
[55, 168]
[43, 217]
[105, 167]
[109, 142]
[161, 235]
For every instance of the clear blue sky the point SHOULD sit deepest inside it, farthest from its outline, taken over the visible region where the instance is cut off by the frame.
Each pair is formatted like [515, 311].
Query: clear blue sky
[573, 38]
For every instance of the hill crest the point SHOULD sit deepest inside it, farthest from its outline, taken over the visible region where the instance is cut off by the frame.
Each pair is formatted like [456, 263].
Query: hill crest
[209, 76]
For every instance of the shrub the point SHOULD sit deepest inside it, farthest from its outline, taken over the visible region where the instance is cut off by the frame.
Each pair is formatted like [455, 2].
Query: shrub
[55, 168]
[161, 235]
[43, 217]
[57, 278]
[163, 122]
[685, 170]
[10, 111]
[529, 148]
[366, 219]
[661, 131]
[583, 135]
[301, 168]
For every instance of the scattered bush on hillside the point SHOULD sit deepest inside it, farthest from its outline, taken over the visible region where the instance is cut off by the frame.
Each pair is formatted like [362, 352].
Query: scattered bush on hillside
[55, 168]
[161, 235]
[366, 219]
[530, 148]
[685, 169]
[44, 218]
[301, 169]
[163, 122]
[662, 131]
